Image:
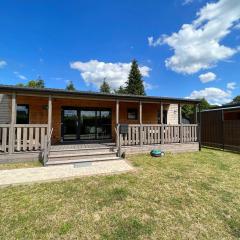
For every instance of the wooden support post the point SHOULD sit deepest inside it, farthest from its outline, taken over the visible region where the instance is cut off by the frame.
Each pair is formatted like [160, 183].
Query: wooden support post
[180, 122]
[117, 112]
[199, 127]
[161, 122]
[11, 143]
[196, 114]
[49, 117]
[140, 121]
[117, 127]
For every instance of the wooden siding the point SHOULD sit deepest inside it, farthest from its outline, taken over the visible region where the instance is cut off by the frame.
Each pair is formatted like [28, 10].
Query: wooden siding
[5, 116]
[38, 113]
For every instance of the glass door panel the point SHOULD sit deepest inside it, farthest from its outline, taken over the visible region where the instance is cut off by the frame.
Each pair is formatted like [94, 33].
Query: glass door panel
[87, 125]
[70, 124]
[104, 124]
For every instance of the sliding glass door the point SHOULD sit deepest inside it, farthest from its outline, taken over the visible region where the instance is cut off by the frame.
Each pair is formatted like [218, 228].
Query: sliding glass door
[86, 124]
[104, 125]
[70, 124]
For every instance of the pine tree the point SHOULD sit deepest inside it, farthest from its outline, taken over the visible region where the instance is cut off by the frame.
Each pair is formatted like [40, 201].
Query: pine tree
[70, 86]
[105, 88]
[121, 90]
[135, 83]
[236, 100]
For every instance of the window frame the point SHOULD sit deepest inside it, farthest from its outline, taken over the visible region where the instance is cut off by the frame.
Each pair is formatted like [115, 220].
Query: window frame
[28, 115]
[165, 116]
[132, 111]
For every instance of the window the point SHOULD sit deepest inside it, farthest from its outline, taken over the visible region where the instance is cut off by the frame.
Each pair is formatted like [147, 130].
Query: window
[164, 117]
[22, 114]
[132, 114]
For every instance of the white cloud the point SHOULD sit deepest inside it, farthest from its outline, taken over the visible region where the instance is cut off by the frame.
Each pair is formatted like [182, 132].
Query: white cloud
[22, 77]
[231, 86]
[3, 63]
[186, 2]
[198, 45]
[237, 26]
[155, 43]
[213, 95]
[116, 74]
[207, 77]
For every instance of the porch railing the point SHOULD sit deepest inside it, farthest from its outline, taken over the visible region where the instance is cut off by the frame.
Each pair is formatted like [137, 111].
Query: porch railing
[147, 134]
[4, 137]
[26, 137]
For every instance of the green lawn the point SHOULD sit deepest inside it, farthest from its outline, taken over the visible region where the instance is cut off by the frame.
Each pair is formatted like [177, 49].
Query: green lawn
[183, 196]
[4, 166]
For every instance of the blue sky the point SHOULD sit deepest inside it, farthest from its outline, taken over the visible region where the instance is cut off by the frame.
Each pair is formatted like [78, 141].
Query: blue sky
[87, 41]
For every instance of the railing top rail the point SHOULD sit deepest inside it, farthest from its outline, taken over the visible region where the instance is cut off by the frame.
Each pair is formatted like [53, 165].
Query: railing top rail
[160, 125]
[30, 125]
[4, 125]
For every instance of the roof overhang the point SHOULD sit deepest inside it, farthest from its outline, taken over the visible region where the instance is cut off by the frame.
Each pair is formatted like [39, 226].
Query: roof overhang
[44, 92]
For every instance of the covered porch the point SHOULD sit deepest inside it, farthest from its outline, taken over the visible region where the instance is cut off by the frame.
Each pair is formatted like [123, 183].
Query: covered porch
[55, 119]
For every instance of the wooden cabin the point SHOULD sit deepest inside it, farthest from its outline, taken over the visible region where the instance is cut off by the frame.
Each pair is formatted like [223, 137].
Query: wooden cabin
[37, 122]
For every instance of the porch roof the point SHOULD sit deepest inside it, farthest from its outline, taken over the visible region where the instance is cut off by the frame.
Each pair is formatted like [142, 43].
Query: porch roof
[54, 92]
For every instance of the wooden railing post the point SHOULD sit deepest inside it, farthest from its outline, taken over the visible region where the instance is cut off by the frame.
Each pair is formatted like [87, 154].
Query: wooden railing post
[180, 122]
[161, 122]
[117, 125]
[140, 121]
[11, 144]
[49, 118]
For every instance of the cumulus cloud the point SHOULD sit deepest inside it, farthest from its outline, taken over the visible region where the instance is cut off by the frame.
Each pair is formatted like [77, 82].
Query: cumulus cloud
[3, 63]
[116, 74]
[198, 45]
[22, 77]
[231, 86]
[213, 95]
[207, 77]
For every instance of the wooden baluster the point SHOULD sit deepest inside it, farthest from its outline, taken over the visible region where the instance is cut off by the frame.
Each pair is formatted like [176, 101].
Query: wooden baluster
[42, 137]
[24, 139]
[19, 131]
[4, 139]
[36, 138]
[30, 147]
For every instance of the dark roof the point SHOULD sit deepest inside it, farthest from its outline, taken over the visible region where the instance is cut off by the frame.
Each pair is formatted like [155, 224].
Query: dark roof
[62, 92]
[224, 107]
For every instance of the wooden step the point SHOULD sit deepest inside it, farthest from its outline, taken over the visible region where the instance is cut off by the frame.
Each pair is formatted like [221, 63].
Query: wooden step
[73, 161]
[85, 150]
[81, 155]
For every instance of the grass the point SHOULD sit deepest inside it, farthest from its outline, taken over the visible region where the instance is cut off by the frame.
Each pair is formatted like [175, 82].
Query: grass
[182, 196]
[4, 166]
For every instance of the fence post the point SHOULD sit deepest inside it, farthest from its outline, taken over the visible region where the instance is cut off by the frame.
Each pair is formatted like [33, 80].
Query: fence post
[223, 132]
[199, 127]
